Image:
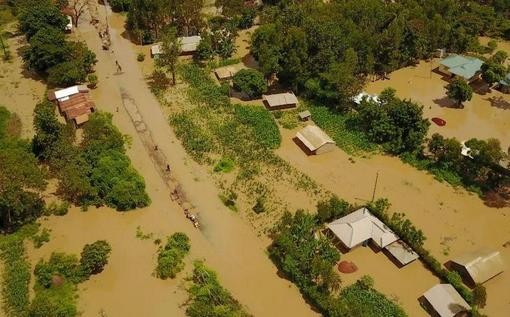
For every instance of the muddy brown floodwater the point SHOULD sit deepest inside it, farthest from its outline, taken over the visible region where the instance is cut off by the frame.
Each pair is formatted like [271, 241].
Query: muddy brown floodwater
[226, 242]
[453, 220]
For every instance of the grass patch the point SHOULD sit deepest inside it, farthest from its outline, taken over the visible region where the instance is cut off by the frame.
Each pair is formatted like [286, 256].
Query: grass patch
[208, 298]
[141, 235]
[260, 120]
[287, 119]
[16, 273]
[224, 165]
[339, 127]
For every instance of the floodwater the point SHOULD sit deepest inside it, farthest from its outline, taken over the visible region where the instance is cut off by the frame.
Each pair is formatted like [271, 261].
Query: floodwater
[227, 243]
[487, 115]
[453, 220]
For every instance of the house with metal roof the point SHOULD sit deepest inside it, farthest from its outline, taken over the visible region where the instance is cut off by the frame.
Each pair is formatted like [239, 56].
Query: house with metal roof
[468, 68]
[504, 84]
[73, 103]
[446, 301]
[479, 266]
[314, 140]
[280, 101]
[361, 226]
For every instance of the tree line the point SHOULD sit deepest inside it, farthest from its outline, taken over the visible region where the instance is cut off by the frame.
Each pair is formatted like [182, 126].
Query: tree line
[327, 50]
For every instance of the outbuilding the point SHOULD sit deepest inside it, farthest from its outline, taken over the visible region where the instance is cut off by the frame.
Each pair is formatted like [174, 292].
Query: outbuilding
[314, 141]
[402, 253]
[504, 84]
[225, 73]
[189, 44]
[305, 115]
[361, 227]
[445, 301]
[478, 266]
[280, 101]
[73, 103]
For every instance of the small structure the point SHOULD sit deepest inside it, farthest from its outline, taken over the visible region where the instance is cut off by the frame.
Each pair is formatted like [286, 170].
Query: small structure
[315, 140]
[465, 67]
[225, 73]
[466, 151]
[305, 115]
[73, 103]
[189, 44]
[401, 252]
[156, 50]
[479, 266]
[363, 95]
[280, 101]
[361, 226]
[69, 25]
[504, 84]
[446, 301]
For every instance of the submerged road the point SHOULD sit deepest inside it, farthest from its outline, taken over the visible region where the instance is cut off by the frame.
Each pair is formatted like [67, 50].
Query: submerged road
[227, 243]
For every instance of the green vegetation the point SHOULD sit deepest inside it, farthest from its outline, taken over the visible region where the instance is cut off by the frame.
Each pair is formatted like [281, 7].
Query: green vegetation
[42, 238]
[97, 171]
[459, 90]
[63, 62]
[309, 262]
[94, 257]
[250, 82]
[143, 236]
[288, 119]
[21, 179]
[224, 165]
[56, 209]
[171, 256]
[265, 130]
[120, 5]
[334, 208]
[16, 271]
[326, 50]
[208, 298]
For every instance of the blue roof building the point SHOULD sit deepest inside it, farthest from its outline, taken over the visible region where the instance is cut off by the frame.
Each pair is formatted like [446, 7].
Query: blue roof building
[466, 67]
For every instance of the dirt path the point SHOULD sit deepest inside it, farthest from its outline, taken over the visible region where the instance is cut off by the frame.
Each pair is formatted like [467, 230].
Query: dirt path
[453, 220]
[228, 244]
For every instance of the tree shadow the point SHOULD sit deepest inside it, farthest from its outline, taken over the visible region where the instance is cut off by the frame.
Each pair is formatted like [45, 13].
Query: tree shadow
[446, 102]
[480, 87]
[499, 102]
[249, 61]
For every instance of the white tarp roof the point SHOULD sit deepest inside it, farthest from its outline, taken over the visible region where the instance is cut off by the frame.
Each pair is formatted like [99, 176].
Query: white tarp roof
[482, 264]
[156, 49]
[358, 98]
[313, 137]
[69, 91]
[445, 300]
[360, 226]
[282, 99]
[69, 25]
[189, 43]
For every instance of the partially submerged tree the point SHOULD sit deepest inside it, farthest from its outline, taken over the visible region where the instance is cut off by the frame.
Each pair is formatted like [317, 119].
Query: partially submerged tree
[78, 7]
[459, 90]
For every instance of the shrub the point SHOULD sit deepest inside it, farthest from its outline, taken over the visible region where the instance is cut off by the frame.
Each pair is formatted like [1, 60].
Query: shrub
[331, 209]
[251, 82]
[94, 257]
[92, 79]
[59, 264]
[42, 238]
[57, 301]
[140, 57]
[259, 206]
[120, 5]
[66, 74]
[171, 256]
[246, 19]
[224, 165]
[207, 297]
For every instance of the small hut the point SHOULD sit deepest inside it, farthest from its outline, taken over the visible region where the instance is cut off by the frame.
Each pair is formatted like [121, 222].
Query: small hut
[314, 141]
[305, 115]
[445, 301]
[280, 101]
[478, 266]
[189, 44]
[225, 73]
[504, 84]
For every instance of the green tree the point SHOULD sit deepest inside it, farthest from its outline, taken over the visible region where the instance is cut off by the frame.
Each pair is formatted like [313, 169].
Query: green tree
[479, 296]
[94, 257]
[251, 82]
[459, 90]
[171, 49]
[205, 49]
[170, 257]
[46, 49]
[66, 74]
[41, 15]
[329, 210]
[493, 73]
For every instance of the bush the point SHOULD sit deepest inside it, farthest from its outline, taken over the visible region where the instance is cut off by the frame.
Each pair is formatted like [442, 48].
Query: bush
[224, 165]
[57, 301]
[92, 79]
[246, 18]
[42, 238]
[331, 209]
[94, 257]
[66, 74]
[171, 256]
[120, 5]
[57, 209]
[140, 57]
[259, 206]
[59, 264]
[251, 82]
[208, 298]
